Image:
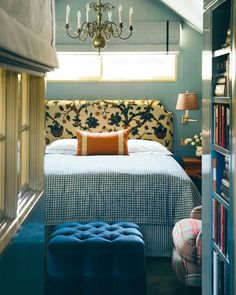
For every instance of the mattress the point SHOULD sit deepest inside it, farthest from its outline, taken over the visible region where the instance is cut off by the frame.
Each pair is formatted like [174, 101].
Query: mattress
[146, 189]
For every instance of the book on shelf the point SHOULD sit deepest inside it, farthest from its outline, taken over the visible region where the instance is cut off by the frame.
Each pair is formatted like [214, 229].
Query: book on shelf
[226, 159]
[220, 283]
[226, 174]
[227, 126]
[226, 166]
[224, 196]
[225, 182]
[226, 236]
[220, 227]
[221, 274]
[224, 187]
[218, 222]
[215, 272]
[216, 123]
[221, 125]
[226, 280]
[214, 174]
[214, 221]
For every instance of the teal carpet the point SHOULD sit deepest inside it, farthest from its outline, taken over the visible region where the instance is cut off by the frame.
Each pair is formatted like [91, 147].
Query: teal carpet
[161, 279]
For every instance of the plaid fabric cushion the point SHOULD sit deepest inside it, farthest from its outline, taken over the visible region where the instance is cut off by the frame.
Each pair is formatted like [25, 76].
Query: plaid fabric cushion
[186, 271]
[185, 234]
[199, 248]
[196, 213]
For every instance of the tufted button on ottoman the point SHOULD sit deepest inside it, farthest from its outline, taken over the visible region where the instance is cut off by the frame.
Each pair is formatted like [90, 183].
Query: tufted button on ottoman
[96, 258]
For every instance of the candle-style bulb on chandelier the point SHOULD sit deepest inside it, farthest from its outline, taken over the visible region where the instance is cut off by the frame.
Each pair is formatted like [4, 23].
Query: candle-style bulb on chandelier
[100, 32]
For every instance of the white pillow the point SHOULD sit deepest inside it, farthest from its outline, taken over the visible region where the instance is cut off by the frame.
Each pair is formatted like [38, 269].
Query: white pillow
[135, 146]
[62, 146]
[140, 146]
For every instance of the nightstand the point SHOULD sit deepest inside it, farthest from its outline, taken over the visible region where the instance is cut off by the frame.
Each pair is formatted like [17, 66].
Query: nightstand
[193, 167]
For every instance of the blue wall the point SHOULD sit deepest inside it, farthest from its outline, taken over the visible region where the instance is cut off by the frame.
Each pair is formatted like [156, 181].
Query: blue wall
[189, 71]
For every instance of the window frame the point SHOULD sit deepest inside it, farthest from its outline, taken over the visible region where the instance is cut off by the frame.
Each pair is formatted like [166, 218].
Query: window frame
[17, 200]
[23, 134]
[2, 141]
[101, 79]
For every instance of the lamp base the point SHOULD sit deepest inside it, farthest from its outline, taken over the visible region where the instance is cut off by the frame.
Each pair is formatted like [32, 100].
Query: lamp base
[186, 119]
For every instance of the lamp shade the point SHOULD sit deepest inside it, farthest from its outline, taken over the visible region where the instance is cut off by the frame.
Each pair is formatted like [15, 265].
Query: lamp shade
[187, 101]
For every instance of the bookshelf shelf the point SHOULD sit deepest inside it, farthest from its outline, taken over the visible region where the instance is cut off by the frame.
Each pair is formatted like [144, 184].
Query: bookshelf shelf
[219, 181]
[221, 200]
[219, 252]
[222, 99]
[221, 51]
[221, 150]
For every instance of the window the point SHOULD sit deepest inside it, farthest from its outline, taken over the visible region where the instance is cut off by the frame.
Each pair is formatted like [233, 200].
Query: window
[115, 67]
[21, 148]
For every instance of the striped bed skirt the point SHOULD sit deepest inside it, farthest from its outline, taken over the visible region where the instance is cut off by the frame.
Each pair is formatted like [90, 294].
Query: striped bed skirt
[158, 240]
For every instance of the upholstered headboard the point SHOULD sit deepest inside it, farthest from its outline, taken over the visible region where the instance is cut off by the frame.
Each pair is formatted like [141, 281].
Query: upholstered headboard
[147, 119]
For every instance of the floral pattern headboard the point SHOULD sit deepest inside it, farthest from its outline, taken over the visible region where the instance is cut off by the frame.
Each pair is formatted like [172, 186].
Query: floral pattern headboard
[147, 119]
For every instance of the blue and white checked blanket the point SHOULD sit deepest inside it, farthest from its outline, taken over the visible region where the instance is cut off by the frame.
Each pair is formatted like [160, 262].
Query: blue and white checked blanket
[145, 189]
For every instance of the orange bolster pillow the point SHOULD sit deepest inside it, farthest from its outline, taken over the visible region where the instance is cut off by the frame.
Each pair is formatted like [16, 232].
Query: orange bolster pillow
[105, 143]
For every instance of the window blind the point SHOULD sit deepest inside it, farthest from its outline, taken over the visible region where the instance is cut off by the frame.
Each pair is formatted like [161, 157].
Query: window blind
[148, 37]
[27, 35]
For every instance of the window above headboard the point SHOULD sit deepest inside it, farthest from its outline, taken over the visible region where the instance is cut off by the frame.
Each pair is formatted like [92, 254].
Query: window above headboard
[87, 67]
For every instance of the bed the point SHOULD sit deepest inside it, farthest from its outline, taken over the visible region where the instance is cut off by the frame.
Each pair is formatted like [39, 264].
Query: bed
[147, 187]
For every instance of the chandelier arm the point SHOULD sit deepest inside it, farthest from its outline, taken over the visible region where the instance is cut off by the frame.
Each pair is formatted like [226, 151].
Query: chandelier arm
[79, 33]
[110, 27]
[126, 38]
[93, 5]
[107, 7]
[85, 34]
[72, 36]
[116, 31]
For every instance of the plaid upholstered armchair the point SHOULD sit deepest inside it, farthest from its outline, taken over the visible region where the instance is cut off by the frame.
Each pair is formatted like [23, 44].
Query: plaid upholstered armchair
[187, 253]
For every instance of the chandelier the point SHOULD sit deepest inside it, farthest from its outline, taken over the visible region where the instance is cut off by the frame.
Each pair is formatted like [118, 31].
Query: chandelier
[99, 31]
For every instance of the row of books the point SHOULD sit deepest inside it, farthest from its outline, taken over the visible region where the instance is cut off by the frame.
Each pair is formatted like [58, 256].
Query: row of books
[224, 187]
[220, 276]
[220, 227]
[221, 184]
[221, 124]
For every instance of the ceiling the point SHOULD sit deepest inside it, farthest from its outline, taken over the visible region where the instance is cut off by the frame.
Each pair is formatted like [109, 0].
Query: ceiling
[190, 10]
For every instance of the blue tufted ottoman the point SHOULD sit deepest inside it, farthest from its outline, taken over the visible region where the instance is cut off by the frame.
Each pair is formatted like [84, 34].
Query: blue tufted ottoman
[96, 258]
